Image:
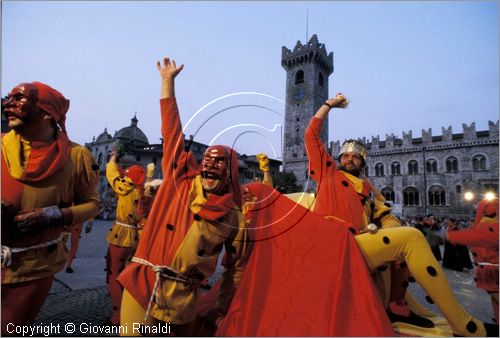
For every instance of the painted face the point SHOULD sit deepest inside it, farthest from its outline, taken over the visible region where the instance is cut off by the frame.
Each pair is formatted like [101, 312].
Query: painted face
[215, 169]
[351, 163]
[20, 106]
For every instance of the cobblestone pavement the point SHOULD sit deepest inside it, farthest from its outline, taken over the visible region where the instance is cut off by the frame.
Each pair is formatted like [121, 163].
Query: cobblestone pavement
[82, 298]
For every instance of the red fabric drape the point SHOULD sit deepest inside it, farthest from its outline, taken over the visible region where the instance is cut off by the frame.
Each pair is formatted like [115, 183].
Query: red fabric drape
[306, 277]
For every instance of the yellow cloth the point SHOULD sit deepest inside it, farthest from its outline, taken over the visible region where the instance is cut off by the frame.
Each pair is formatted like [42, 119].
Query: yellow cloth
[305, 199]
[127, 197]
[376, 211]
[12, 147]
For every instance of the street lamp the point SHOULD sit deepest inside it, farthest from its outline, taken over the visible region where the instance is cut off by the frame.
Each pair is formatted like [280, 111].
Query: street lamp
[469, 196]
[489, 196]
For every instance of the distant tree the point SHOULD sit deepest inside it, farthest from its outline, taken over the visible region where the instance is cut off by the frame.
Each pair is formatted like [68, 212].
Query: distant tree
[286, 182]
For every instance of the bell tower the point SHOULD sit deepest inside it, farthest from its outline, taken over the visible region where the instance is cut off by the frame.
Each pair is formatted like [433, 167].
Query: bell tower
[308, 68]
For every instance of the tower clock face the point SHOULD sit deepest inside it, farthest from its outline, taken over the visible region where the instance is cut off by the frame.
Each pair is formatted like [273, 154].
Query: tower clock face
[298, 94]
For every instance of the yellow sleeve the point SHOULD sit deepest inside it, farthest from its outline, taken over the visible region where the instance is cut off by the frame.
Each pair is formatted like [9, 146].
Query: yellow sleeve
[86, 203]
[267, 179]
[120, 184]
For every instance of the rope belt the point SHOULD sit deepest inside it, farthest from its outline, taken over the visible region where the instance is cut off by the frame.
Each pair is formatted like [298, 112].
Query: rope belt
[168, 273]
[126, 225]
[7, 251]
[486, 263]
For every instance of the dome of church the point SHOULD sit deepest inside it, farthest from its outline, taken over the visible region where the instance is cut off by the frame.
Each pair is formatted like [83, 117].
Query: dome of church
[104, 136]
[132, 134]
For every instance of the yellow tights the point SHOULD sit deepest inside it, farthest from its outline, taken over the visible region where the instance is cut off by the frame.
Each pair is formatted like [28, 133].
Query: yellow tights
[408, 244]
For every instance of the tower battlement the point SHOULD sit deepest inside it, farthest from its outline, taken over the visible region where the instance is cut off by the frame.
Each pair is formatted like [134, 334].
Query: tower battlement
[447, 138]
[313, 51]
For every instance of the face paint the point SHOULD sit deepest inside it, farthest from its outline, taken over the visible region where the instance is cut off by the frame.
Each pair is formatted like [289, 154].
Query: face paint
[215, 169]
[20, 106]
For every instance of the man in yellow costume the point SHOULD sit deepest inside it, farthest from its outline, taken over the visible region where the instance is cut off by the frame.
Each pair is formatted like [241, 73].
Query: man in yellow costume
[123, 237]
[48, 184]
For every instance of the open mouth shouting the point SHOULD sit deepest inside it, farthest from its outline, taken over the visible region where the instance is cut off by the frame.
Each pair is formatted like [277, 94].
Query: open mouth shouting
[209, 180]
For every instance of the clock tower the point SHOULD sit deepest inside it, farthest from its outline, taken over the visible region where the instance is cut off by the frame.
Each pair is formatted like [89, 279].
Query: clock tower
[308, 68]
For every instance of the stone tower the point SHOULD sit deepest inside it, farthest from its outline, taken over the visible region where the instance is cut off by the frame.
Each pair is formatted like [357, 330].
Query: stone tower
[308, 68]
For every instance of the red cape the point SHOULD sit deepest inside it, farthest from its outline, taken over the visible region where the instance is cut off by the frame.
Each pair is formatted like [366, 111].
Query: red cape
[306, 277]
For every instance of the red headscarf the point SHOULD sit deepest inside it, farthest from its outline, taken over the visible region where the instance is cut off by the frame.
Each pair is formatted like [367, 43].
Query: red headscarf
[137, 174]
[486, 207]
[53, 103]
[234, 185]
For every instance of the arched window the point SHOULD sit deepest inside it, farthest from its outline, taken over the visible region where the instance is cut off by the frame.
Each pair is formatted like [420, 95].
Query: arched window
[367, 171]
[379, 169]
[388, 193]
[99, 159]
[479, 163]
[412, 167]
[431, 166]
[321, 79]
[396, 168]
[411, 196]
[451, 165]
[436, 195]
[458, 189]
[299, 77]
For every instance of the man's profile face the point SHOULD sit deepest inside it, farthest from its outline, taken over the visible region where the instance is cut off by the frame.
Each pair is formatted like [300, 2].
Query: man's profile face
[214, 169]
[351, 163]
[20, 106]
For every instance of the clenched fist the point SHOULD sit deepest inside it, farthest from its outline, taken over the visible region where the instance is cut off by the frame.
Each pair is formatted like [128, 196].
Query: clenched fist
[39, 218]
[263, 162]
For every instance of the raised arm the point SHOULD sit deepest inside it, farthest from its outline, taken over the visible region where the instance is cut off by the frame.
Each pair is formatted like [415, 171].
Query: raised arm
[264, 167]
[174, 155]
[339, 101]
[319, 159]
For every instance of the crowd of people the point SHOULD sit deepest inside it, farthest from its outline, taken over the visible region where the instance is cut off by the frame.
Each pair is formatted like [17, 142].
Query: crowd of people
[337, 265]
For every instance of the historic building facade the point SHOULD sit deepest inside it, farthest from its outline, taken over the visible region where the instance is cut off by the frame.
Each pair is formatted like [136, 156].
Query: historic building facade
[431, 174]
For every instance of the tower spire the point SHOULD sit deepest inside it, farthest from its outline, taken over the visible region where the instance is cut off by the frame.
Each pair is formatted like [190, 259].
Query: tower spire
[307, 25]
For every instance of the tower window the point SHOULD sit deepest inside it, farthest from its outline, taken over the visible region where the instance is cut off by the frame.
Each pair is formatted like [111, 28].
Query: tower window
[321, 80]
[412, 167]
[410, 196]
[431, 166]
[379, 170]
[451, 165]
[299, 77]
[479, 163]
[437, 196]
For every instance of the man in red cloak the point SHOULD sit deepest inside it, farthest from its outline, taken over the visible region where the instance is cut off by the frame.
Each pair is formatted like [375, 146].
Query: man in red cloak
[195, 213]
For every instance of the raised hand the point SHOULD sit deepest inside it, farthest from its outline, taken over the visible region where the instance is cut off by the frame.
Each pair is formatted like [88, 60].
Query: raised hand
[169, 70]
[339, 101]
[263, 162]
